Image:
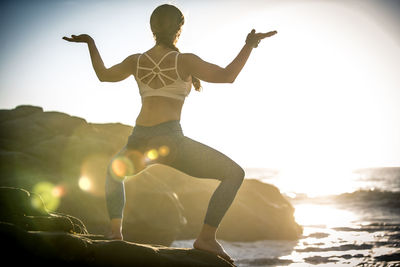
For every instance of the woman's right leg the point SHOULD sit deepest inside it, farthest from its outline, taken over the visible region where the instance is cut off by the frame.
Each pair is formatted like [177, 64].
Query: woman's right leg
[115, 198]
[124, 163]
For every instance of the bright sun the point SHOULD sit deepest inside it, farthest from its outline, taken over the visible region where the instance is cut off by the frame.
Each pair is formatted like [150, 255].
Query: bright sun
[324, 102]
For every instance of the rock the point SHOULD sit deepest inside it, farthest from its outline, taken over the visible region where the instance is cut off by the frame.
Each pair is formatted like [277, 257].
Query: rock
[262, 211]
[153, 212]
[62, 246]
[63, 249]
[388, 257]
[19, 111]
[18, 208]
[68, 157]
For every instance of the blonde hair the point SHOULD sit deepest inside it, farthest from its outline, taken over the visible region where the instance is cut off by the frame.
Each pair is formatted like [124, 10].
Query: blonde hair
[166, 24]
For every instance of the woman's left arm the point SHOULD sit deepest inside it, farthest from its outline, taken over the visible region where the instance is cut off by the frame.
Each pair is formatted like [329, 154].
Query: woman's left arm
[116, 73]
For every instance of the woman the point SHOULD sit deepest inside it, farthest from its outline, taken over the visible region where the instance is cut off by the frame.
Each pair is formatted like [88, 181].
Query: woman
[164, 78]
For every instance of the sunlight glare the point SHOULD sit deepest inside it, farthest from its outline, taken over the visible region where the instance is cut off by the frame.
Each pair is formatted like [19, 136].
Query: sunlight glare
[84, 183]
[329, 216]
[325, 98]
[315, 181]
[48, 201]
[152, 154]
[121, 167]
[58, 191]
[163, 151]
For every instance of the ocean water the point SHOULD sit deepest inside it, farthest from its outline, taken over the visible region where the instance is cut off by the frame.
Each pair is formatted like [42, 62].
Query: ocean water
[358, 225]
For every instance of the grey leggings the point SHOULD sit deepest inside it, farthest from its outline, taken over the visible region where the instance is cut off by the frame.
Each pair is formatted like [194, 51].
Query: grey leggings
[165, 144]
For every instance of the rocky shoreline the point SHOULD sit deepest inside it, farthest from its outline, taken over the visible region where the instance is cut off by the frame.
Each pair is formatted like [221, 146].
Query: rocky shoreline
[63, 159]
[43, 151]
[59, 239]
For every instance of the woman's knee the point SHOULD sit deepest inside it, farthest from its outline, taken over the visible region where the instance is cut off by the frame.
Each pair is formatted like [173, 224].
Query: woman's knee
[240, 174]
[238, 171]
[234, 173]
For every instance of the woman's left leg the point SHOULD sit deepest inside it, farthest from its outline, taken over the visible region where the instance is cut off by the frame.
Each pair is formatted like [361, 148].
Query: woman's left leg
[201, 161]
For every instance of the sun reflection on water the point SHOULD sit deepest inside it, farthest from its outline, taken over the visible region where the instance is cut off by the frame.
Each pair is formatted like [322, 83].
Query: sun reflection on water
[323, 215]
[315, 181]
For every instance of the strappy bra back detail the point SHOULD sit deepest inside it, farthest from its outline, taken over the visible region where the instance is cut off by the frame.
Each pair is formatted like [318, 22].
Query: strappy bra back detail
[172, 84]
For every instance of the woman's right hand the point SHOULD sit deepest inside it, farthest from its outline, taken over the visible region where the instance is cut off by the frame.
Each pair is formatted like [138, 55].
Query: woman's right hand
[82, 38]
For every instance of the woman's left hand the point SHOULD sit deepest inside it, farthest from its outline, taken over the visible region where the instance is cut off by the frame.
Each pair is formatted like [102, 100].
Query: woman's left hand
[254, 38]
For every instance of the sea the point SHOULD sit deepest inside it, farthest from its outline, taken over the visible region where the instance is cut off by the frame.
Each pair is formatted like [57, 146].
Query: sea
[352, 219]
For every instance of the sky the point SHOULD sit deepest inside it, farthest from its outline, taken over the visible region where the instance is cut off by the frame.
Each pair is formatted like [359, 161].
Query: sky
[322, 94]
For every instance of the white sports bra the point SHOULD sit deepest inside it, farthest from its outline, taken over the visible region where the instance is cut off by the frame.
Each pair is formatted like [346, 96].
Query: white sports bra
[177, 89]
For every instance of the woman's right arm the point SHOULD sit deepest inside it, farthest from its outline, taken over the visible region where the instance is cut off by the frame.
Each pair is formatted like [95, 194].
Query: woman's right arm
[212, 73]
[115, 73]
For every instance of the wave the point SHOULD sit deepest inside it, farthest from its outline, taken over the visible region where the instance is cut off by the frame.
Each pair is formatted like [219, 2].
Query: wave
[377, 198]
[386, 178]
[372, 198]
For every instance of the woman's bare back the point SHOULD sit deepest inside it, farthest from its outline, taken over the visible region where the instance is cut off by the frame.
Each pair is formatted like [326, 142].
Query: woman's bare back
[158, 109]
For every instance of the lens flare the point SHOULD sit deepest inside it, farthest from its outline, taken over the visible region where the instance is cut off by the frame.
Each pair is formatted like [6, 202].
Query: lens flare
[163, 151]
[58, 191]
[152, 154]
[93, 168]
[84, 183]
[48, 200]
[121, 167]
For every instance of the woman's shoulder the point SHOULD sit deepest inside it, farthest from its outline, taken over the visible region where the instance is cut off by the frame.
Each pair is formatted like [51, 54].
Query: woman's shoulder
[187, 58]
[132, 58]
[131, 62]
[187, 55]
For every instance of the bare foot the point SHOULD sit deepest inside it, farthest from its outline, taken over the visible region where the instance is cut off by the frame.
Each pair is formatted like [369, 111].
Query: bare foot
[212, 246]
[115, 230]
[114, 236]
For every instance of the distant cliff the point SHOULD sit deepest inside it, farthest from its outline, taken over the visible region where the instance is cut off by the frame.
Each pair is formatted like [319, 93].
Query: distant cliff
[40, 150]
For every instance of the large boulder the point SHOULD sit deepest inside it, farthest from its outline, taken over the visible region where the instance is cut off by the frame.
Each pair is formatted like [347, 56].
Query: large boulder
[258, 212]
[39, 147]
[152, 211]
[64, 159]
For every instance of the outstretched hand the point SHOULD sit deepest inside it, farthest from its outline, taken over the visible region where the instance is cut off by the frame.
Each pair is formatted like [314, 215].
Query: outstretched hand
[82, 38]
[254, 38]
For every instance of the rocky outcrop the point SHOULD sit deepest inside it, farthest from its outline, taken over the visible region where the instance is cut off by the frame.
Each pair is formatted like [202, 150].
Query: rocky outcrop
[50, 239]
[64, 158]
[258, 212]
[16, 208]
